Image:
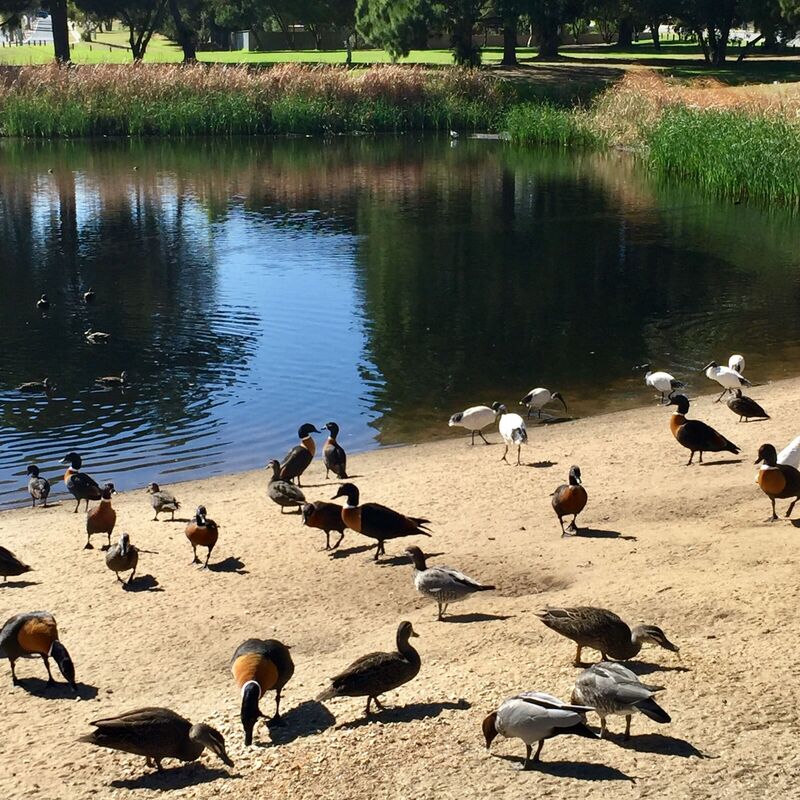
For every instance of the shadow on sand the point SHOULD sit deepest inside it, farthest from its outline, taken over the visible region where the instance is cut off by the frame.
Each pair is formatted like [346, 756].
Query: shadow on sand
[58, 690]
[581, 770]
[476, 617]
[599, 533]
[307, 719]
[142, 583]
[181, 777]
[660, 745]
[409, 713]
[229, 564]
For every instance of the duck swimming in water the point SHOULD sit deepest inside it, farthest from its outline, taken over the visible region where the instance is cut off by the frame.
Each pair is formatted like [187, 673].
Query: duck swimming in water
[114, 381]
[97, 337]
[37, 387]
[695, 435]
[43, 303]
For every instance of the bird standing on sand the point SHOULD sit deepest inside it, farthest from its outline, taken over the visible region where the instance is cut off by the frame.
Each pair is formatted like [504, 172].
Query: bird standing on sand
[10, 565]
[162, 500]
[38, 487]
[745, 407]
[334, 454]
[474, 419]
[663, 382]
[777, 481]
[202, 531]
[611, 689]
[445, 585]
[326, 517]
[512, 429]
[570, 498]
[537, 399]
[258, 666]
[534, 717]
[377, 673]
[299, 457]
[80, 485]
[102, 518]
[695, 435]
[285, 494]
[729, 379]
[122, 557]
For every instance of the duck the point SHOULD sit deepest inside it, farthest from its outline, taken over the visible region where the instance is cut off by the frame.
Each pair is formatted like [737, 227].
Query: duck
[38, 487]
[695, 435]
[299, 457]
[35, 633]
[445, 585]
[602, 630]
[726, 377]
[777, 481]
[791, 454]
[333, 453]
[202, 532]
[570, 498]
[10, 565]
[745, 407]
[43, 303]
[102, 518]
[327, 517]
[80, 485]
[474, 419]
[537, 399]
[612, 689]
[96, 337]
[89, 296]
[377, 521]
[258, 666]
[114, 381]
[285, 494]
[664, 383]
[512, 429]
[534, 717]
[162, 500]
[736, 362]
[156, 734]
[377, 673]
[123, 556]
[37, 387]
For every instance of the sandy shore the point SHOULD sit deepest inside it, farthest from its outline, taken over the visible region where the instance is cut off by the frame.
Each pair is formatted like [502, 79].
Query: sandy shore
[686, 548]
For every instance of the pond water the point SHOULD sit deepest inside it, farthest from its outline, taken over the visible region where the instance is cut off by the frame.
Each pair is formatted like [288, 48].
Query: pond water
[253, 285]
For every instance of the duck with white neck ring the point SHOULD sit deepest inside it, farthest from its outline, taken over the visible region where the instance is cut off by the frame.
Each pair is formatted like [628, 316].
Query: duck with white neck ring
[297, 460]
[777, 481]
[695, 435]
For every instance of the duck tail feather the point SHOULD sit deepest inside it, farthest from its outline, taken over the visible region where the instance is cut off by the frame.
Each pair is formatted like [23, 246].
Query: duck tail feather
[653, 711]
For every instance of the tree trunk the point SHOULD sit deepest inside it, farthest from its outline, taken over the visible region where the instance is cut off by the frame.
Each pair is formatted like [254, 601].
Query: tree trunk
[625, 36]
[58, 15]
[464, 51]
[703, 44]
[655, 34]
[187, 38]
[549, 38]
[748, 48]
[510, 42]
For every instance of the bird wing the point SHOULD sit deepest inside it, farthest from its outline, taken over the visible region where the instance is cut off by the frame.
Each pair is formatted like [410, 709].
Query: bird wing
[549, 701]
[703, 437]
[444, 579]
[378, 519]
[373, 673]
[790, 455]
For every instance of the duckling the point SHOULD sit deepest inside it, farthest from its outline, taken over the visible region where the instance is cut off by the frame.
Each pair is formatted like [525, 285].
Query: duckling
[38, 487]
[695, 435]
[537, 399]
[745, 407]
[377, 521]
[123, 556]
[474, 419]
[258, 666]
[298, 458]
[97, 337]
[445, 585]
[35, 633]
[285, 494]
[602, 630]
[202, 532]
[37, 387]
[10, 565]
[611, 689]
[114, 381]
[327, 517]
[162, 500]
[89, 296]
[156, 734]
[43, 303]
[534, 717]
[334, 454]
[377, 673]
[102, 518]
[726, 377]
[570, 498]
[512, 429]
[777, 481]
[664, 383]
[80, 485]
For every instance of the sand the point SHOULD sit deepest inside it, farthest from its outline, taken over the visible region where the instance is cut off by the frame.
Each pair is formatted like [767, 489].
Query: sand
[687, 548]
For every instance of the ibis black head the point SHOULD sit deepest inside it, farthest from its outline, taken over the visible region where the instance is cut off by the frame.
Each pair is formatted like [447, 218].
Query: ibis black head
[350, 491]
[306, 430]
[73, 459]
[499, 408]
[333, 428]
[768, 454]
[558, 396]
[680, 400]
[65, 665]
[575, 476]
[33, 470]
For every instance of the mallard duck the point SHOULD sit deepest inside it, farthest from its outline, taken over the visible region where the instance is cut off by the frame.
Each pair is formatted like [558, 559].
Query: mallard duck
[664, 383]
[37, 387]
[285, 494]
[537, 399]
[162, 500]
[43, 303]
[202, 532]
[327, 517]
[377, 673]
[534, 717]
[102, 518]
[695, 435]
[729, 379]
[334, 454]
[156, 734]
[377, 521]
[10, 565]
[570, 498]
[512, 429]
[96, 337]
[122, 557]
[611, 689]
[35, 633]
[745, 407]
[445, 585]
[89, 296]
[114, 381]
[777, 481]
[258, 666]
[79, 484]
[602, 630]
[38, 487]
[298, 458]
[474, 419]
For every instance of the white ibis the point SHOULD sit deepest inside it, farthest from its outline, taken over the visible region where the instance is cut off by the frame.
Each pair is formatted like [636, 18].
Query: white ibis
[474, 419]
[512, 429]
[729, 379]
[537, 399]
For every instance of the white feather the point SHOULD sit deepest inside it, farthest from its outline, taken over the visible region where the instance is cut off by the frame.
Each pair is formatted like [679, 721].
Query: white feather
[736, 362]
[512, 429]
[662, 382]
[524, 718]
[790, 455]
[727, 377]
[475, 418]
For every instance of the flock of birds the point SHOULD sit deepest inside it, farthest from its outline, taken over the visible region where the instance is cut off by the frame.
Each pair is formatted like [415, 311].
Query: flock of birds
[607, 688]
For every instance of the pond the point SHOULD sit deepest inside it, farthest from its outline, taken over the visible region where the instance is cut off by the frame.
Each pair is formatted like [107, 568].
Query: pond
[253, 285]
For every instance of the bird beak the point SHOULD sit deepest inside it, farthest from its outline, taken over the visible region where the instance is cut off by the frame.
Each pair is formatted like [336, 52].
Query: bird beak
[759, 459]
[706, 366]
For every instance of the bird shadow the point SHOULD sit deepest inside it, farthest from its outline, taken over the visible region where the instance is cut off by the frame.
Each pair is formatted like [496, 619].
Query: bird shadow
[229, 564]
[659, 744]
[402, 558]
[648, 667]
[52, 504]
[307, 719]
[722, 462]
[476, 617]
[409, 713]
[344, 552]
[181, 777]
[581, 770]
[142, 583]
[17, 584]
[177, 519]
[795, 522]
[540, 464]
[58, 690]
[599, 533]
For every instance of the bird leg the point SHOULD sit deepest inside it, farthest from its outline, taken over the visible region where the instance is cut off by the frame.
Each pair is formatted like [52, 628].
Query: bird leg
[341, 536]
[88, 545]
[195, 559]
[627, 727]
[148, 762]
[526, 764]
[155, 518]
[327, 540]
[791, 507]
[367, 711]
[439, 604]
[503, 458]
[774, 514]
[519, 453]
[578, 662]
[118, 577]
[14, 680]
[701, 456]
[46, 660]
[602, 727]
[379, 704]
[130, 577]
[173, 516]
[480, 433]
[205, 566]
[473, 438]
[689, 462]
[538, 750]
[87, 504]
[720, 397]
[77, 503]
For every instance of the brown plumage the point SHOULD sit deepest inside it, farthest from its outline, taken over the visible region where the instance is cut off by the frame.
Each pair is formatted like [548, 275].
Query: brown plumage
[570, 498]
[10, 565]
[202, 532]
[327, 517]
[745, 407]
[299, 457]
[333, 454]
[102, 518]
[695, 435]
[777, 481]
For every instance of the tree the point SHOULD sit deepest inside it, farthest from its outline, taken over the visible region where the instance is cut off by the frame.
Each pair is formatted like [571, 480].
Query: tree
[396, 26]
[185, 34]
[460, 17]
[142, 18]
[546, 18]
[510, 12]
[711, 21]
[10, 11]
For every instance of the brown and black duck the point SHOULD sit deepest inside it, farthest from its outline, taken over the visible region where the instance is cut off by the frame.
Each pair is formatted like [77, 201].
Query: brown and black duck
[334, 454]
[777, 481]
[570, 498]
[695, 435]
[202, 531]
[102, 518]
[299, 457]
[326, 517]
[10, 565]
[745, 407]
